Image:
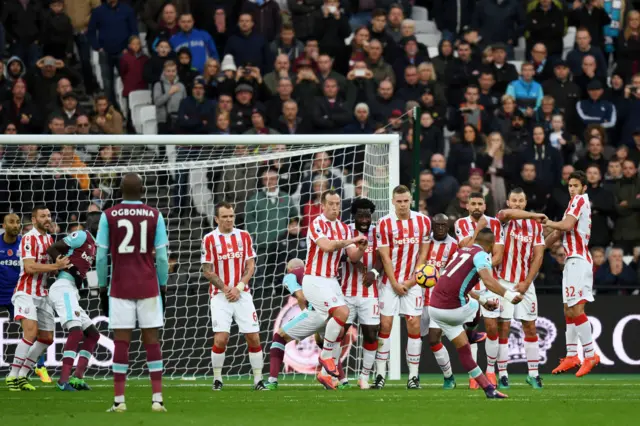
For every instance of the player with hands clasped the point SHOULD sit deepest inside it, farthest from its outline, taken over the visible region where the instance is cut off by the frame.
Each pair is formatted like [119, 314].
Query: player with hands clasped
[521, 261]
[229, 262]
[450, 306]
[64, 297]
[135, 236]
[327, 240]
[577, 276]
[403, 243]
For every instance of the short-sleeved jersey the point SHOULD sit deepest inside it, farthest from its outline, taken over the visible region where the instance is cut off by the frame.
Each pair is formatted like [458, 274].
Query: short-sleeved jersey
[352, 274]
[319, 263]
[404, 238]
[459, 277]
[9, 268]
[521, 236]
[228, 253]
[131, 231]
[440, 254]
[465, 226]
[82, 252]
[576, 241]
[33, 246]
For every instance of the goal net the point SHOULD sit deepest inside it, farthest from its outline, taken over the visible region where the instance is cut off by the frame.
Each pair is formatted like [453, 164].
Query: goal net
[274, 183]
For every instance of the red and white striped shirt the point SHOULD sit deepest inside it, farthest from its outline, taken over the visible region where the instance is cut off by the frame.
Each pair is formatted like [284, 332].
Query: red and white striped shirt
[521, 236]
[576, 241]
[404, 238]
[228, 253]
[319, 263]
[440, 253]
[465, 227]
[33, 246]
[352, 274]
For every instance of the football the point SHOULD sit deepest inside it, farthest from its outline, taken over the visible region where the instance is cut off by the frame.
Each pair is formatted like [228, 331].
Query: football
[427, 276]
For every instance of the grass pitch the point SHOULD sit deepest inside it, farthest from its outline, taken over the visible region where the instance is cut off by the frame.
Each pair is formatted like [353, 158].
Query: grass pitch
[565, 400]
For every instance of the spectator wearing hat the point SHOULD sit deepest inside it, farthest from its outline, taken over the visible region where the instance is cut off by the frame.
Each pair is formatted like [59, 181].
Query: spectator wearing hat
[243, 108]
[503, 71]
[452, 16]
[526, 91]
[154, 67]
[196, 115]
[437, 110]
[69, 111]
[199, 42]
[331, 113]
[258, 124]
[249, 46]
[410, 56]
[596, 110]
[582, 49]
[626, 233]
[42, 80]
[461, 72]
[110, 27]
[362, 123]
[546, 25]
[168, 94]
[58, 31]
[565, 92]
[500, 21]
[14, 69]
[186, 72]
[227, 80]
[23, 28]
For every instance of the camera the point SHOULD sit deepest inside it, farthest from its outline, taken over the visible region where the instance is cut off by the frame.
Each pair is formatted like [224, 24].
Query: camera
[359, 72]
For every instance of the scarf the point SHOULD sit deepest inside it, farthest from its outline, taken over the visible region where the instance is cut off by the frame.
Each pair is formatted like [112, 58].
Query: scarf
[615, 10]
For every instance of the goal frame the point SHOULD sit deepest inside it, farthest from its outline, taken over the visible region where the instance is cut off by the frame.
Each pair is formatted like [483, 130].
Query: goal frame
[393, 140]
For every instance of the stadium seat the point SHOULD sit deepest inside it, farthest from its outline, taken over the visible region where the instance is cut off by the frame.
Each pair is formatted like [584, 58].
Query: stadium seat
[429, 40]
[119, 98]
[433, 51]
[347, 41]
[568, 41]
[517, 64]
[426, 27]
[137, 100]
[419, 13]
[519, 51]
[148, 120]
[95, 64]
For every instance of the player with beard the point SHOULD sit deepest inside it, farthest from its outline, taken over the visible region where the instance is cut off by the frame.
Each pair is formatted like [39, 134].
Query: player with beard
[360, 288]
[443, 247]
[464, 228]
[523, 253]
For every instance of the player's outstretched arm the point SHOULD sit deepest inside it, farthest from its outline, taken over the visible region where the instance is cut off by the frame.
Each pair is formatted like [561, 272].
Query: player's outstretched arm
[495, 287]
[506, 215]
[355, 253]
[565, 225]
[329, 246]
[551, 238]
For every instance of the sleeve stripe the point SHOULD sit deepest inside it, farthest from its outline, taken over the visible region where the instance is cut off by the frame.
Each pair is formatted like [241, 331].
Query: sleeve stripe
[576, 211]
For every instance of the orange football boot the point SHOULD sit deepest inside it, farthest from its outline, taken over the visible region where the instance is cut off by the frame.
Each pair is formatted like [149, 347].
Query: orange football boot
[492, 378]
[587, 365]
[567, 364]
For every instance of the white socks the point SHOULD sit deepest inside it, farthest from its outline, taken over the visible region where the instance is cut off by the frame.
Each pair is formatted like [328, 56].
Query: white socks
[368, 356]
[22, 349]
[491, 346]
[442, 358]
[32, 356]
[256, 359]
[331, 338]
[571, 335]
[382, 356]
[503, 357]
[414, 349]
[583, 329]
[531, 349]
[217, 360]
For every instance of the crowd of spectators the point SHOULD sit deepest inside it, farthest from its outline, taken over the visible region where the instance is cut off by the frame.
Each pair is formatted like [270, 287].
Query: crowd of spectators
[220, 67]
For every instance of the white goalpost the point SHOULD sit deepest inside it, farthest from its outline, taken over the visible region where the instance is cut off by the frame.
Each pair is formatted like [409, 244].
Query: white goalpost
[185, 176]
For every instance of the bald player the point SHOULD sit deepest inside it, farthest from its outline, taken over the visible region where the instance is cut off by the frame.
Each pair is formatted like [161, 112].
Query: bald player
[135, 236]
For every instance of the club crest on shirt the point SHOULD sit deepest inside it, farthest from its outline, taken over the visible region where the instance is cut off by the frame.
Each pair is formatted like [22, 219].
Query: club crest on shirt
[9, 252]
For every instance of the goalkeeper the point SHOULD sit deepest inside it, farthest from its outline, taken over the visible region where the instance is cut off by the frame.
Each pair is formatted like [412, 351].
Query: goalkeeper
[303, 325]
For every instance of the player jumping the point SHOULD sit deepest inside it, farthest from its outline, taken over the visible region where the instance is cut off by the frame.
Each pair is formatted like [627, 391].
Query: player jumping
[443, 247]
[327, 239]
[450, 307]
[228, 262]
[464, 228]
[577, 277]
[64, 297]
[360, 287]
[30, 302]
[403, 242]
[523, 253]
[136, 237]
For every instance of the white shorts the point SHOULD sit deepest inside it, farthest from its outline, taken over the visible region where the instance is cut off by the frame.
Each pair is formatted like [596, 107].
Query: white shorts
[527, 310]
[242, 311]
[322, 293]
[452, 321]
[124, 313]
[497, 299]
[365, 309]
[64, 298]
[411, 304]
[426, 322]
[305, 324]
[577, 281]
[34, 309]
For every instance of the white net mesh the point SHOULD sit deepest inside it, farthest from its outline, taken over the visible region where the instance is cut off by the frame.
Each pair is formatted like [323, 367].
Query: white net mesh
[185, 183]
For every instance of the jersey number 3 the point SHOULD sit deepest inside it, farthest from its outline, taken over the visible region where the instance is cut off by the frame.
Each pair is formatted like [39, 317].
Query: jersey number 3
[124, 247]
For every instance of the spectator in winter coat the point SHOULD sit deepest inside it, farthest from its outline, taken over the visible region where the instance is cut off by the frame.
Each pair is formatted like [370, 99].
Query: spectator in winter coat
[273, 106]
[106, 119]
[110, 27]
[153, 16]
[303, 14]
[21, 111]
[615, 277]
[23, 28]
[537, 193]
[383, 103]
[376, 63]
[290, 123]
[196, 114]
[441, 62]
[628, 49]
[258, 124]
[463, 154]
[331, 27]
[155, 65]
[132, 66]
[541, 63]
[489, 97]
[545, 24]
[471, 112]
[565, 92]
[321, 168]
[57, 31]
[591, 16]
[243, 108]
[461, 72]
[281, 69]
[186, 72]
[168, 94]
[503, 71]
[582, 49]
[14, 69]
[286, 44]
[500, 21]
[410, 56]
[249, 46]
[603, 208]
[362, 123]
[197, 41]
[593, 157]
[43, 80]
[266, 15]
[547, 159]
[452, 16]
[626, 233]
[595, 110]
[330, 114]
[499, 166]
[167, 26]
[378, 31]
[79, 11]
[526, 91]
